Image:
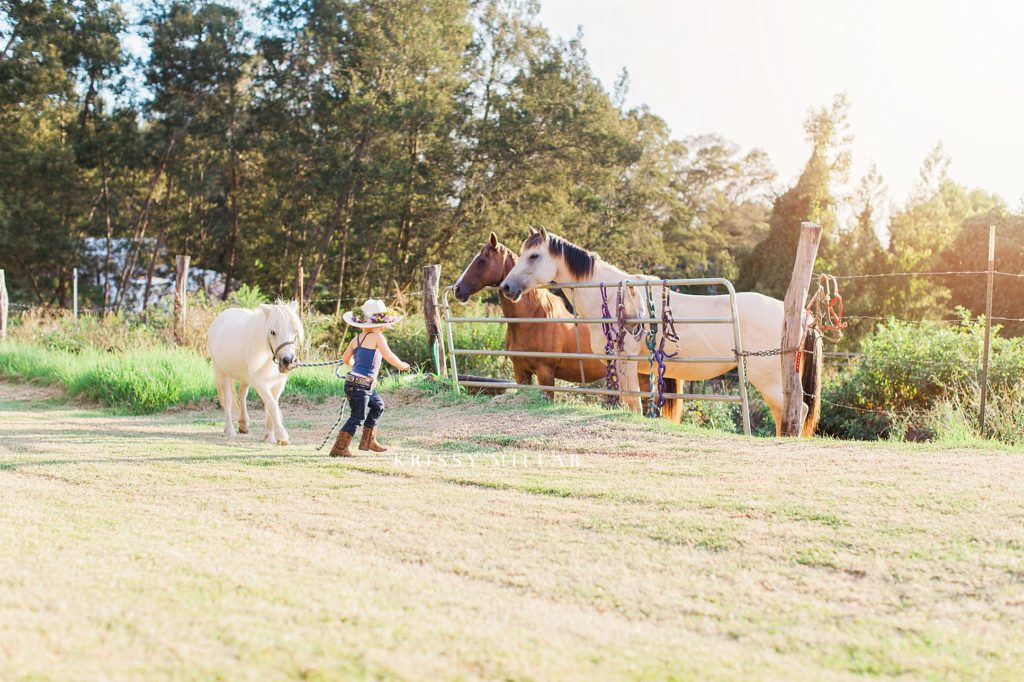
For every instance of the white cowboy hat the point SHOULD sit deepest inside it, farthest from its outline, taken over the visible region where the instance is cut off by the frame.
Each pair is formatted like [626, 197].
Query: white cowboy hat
[373, 313]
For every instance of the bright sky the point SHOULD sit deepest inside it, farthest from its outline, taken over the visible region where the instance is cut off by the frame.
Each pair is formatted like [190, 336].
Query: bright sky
[916, 73]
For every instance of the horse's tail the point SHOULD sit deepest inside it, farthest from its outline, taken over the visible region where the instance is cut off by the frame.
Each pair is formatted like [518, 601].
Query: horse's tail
[672, 410]
[811, 371]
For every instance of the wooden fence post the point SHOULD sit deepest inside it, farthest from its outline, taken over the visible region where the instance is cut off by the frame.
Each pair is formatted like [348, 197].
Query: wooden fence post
[300, 284]
[988, 327]
[793, 327]
[435, 346]
[3, 305]
[74, 293]
[180, 296]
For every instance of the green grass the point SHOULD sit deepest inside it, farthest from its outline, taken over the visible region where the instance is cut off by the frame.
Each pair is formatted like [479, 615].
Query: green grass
[139, 382]
[146, 547]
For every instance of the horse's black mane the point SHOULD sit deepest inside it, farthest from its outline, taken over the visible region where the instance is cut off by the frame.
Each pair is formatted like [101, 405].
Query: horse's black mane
[579, 261]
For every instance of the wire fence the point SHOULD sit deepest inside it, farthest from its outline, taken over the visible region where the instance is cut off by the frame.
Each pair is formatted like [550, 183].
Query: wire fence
[402, 297]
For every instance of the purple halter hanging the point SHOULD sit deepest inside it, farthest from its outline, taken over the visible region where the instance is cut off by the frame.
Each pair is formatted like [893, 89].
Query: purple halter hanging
[658, 354]
[615, 337]
[612, 338]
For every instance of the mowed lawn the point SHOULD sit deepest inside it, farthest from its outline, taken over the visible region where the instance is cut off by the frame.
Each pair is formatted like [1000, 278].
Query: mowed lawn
[146, 547]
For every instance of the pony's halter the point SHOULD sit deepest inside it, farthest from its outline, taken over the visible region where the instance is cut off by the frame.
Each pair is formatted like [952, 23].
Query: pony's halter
[275, 351]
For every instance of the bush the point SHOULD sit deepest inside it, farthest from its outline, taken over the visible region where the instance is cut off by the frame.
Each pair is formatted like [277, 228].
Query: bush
[911, 373]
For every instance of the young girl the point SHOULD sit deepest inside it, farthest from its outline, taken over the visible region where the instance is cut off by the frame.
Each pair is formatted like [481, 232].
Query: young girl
[364, 354]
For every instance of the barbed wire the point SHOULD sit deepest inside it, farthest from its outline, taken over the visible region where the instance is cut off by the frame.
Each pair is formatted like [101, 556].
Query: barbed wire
[858, 409]
[934, 273]
[929, 273]
[906, 319]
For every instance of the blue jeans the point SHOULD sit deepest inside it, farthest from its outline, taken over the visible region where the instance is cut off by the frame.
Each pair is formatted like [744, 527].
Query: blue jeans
[365, 407]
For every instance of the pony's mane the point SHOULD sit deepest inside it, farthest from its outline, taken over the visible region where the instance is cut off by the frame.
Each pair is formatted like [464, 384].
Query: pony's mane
[284, 308]
[578, 260]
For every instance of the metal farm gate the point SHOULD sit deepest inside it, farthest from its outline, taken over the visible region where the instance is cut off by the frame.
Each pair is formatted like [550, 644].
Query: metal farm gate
[646, 284]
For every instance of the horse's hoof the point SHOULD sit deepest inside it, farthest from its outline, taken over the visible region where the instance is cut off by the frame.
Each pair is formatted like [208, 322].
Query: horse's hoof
[283, 441]
[243, 429]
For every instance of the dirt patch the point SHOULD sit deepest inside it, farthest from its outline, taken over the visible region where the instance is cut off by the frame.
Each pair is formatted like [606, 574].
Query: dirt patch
[29, 392]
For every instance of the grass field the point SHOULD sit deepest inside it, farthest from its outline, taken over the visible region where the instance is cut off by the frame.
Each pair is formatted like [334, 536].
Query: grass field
[146, 547]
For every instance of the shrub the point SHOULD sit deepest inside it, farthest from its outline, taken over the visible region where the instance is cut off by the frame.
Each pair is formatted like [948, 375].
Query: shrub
[247, 296]
[909, 370]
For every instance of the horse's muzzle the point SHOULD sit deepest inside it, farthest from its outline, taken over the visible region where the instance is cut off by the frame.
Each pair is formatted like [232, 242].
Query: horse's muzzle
[288, 364]
[512, 292]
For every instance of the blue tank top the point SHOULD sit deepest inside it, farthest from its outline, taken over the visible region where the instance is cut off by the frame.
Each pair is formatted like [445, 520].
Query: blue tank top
[366, 360]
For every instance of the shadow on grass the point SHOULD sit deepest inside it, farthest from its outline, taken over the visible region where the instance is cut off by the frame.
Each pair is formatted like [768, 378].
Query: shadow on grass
[249, 458]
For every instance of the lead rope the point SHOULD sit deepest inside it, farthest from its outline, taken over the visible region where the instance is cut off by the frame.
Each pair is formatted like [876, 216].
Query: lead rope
[668, 333]
[334, 428]
[656, 399]
[620, 337]
[830, 320]
[611, 373]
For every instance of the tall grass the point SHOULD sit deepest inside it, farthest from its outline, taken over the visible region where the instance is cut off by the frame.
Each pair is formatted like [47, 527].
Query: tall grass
[140, 382]
[131, 362]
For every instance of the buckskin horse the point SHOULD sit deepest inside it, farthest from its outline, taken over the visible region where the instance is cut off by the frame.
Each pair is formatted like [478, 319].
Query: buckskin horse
[547, 258]
[489, 267]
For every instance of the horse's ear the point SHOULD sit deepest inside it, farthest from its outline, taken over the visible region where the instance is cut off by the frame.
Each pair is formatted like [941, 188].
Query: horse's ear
[543, 233]
[494, 240]
[265, 308]
[294, 305]
[533, 230]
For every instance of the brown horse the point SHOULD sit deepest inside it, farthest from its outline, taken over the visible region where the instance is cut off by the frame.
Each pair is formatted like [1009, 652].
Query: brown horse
[488, 268]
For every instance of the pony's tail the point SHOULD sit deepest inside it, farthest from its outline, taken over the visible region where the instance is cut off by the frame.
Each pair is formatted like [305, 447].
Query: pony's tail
[811, 371]
[672, 410]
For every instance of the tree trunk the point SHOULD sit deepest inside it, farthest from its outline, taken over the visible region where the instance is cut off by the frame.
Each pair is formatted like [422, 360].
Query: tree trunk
[110, 240]
[344, 257]
[233, 235]
[159, 242]
[229, 275]
[400, 247]
[353, 188]
[140, 223]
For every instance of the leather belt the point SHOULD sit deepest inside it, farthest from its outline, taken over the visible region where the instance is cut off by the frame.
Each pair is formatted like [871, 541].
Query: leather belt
[362, 382]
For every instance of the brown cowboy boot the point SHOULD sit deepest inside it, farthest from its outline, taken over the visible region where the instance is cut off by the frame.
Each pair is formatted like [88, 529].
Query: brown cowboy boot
[340, 448]
[369, 440]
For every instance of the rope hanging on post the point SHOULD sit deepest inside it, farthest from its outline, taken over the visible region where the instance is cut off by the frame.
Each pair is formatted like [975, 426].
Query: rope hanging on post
[828, 319]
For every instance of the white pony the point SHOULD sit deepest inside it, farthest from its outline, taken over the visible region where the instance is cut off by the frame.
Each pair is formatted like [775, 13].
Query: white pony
[547, 258]
[255, 348]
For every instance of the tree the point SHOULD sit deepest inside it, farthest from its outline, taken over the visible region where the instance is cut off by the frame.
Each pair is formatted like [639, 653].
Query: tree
[925, 227]
[54, 58]
[769, 265]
